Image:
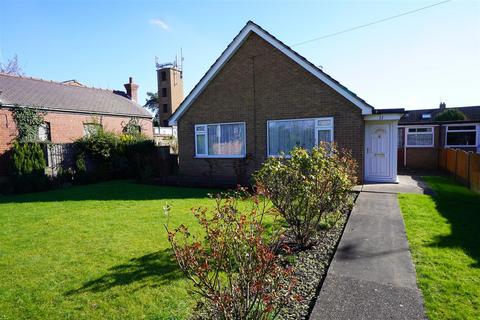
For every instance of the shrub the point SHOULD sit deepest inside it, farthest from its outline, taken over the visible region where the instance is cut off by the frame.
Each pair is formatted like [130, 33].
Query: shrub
[29, 165]
[105, 155]
[235, 272]
[308, 187]
[450, 115]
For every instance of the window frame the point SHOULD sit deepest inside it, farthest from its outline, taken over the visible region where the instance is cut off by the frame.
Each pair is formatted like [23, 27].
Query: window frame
[48, 132]
[219, 156]
[407, 132]
[86, 133]
[331, 128]
[475, 129]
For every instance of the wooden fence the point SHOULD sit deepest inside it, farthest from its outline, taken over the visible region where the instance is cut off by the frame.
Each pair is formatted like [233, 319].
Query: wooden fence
[464, 166]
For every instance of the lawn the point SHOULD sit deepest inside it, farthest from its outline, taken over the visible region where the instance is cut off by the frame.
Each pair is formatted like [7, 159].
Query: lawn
[444, 236]
[94, 252]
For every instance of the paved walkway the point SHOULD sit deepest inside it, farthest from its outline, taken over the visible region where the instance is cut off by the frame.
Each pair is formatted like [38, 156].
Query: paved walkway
[372, 275]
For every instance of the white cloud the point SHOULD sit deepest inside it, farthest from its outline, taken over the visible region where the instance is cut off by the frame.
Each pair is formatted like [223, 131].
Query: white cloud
[159, 23]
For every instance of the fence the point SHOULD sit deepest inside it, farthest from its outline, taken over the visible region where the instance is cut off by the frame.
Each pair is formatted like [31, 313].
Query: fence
[58, 156]
[464, 166]
[61, 156]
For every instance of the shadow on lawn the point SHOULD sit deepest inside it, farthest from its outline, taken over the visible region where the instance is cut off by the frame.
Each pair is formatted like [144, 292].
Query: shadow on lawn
[462, 209]
[151, 270]
[112, 190]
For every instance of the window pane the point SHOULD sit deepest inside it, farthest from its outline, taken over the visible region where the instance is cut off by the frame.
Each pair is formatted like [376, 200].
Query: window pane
[460, 128]
[324, 136]
[91, 128]
[461, 138]
[324, 122]
[226, 139]
[231, 139]
[283, 136]
[213, 140]
[419, 139]
[44, 132]
[201, 146]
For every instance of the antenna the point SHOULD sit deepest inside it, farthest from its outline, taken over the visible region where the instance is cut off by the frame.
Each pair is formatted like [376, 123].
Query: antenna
[181, 63]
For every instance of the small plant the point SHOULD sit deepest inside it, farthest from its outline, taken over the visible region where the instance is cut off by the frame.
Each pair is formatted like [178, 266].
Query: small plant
[27, 121]
[450, 115]
[235, 271]
[309, 188]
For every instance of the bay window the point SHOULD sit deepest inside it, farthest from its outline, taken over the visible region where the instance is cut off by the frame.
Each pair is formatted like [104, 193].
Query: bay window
[284, 135]
[461, 136]
[420, 137]
[221, 140]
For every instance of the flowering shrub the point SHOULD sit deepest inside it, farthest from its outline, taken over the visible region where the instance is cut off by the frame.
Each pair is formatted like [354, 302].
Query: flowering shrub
[234, 269]
[308, 187]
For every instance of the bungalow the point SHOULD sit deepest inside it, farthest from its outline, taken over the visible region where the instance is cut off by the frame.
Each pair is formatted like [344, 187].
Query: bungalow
[260, 98]
[71, 110]
[421, 134]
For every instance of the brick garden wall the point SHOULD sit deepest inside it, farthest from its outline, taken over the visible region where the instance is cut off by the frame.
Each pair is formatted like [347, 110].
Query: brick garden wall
[64, 128]
[260, 83]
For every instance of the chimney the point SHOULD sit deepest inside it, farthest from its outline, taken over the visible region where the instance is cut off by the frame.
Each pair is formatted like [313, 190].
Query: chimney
[132, 89]
[443, 105]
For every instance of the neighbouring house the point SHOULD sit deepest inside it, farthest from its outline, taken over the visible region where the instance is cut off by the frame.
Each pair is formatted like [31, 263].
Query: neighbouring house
[71, 110]
[421, 135]
[260, 99]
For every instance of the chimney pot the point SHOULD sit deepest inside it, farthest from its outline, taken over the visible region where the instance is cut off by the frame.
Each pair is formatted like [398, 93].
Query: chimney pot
[443, 105]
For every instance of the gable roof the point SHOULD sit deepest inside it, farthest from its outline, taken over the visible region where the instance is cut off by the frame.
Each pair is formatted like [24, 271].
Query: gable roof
[252, 27]
[57, 96]
[416, 116]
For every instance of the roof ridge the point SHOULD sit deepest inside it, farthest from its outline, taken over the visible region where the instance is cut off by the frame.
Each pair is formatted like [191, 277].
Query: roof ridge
[54, 82]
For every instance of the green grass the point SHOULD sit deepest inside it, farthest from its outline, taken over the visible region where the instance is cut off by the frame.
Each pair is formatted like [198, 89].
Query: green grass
[94, 252]
[444, 236]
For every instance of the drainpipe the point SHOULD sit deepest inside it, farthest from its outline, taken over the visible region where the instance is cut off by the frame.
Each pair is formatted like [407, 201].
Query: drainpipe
[405, 146]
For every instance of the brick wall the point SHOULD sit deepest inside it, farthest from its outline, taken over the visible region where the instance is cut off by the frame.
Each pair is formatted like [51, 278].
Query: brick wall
[64, 128]
[260, 83]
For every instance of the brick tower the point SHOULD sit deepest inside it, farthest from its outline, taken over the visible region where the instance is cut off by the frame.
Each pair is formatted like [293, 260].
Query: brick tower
[170, 90]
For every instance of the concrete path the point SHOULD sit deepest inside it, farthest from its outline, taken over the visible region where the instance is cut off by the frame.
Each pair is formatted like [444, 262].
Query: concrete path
[372, 275]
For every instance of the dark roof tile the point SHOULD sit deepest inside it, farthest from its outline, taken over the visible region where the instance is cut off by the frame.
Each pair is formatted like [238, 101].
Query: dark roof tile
[52, 95]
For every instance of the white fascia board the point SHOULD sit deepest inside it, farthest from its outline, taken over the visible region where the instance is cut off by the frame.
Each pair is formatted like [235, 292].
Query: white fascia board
[383, 117]
[233, 47]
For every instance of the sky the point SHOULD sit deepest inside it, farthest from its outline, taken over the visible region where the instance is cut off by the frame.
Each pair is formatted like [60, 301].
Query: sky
[414, 61]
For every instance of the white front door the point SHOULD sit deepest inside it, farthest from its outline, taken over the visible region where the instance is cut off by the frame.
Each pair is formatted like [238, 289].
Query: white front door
[378, 156]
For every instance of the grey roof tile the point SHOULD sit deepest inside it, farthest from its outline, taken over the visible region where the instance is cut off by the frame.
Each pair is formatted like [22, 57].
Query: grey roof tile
[58, 96]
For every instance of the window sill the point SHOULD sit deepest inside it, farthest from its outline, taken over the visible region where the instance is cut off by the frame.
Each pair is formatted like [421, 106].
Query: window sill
[428, 146]
[220, 157]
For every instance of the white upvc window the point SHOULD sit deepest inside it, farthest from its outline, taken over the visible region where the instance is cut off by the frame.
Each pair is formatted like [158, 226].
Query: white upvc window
[284, 135]
[420, 137]
[461, 135]
[220, 140]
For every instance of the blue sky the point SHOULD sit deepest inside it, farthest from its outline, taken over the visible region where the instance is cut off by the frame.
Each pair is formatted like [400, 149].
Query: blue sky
[416, 60]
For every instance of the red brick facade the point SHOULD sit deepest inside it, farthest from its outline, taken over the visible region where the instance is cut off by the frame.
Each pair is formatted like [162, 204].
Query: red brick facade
[64, 128]
[259, 83]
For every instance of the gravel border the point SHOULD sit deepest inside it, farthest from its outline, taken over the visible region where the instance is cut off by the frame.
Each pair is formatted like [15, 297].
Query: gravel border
[311, 268]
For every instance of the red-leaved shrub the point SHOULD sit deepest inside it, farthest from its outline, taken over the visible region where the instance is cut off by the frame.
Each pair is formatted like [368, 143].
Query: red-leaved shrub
[234, 268]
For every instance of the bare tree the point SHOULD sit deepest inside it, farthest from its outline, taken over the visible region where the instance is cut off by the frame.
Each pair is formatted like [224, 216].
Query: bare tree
[12, 67]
